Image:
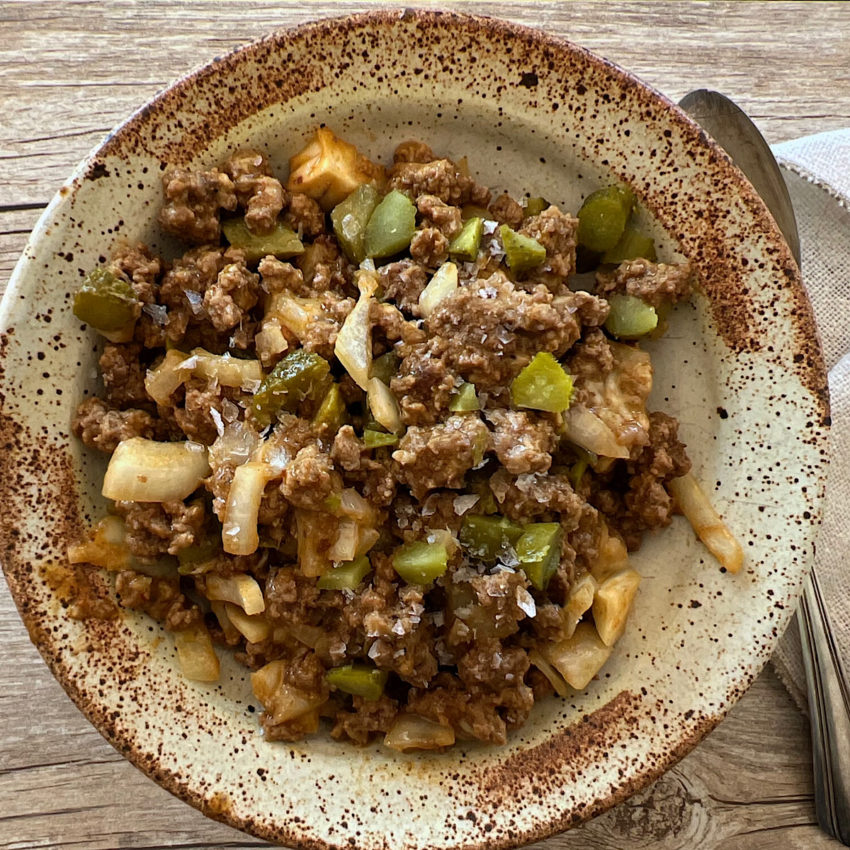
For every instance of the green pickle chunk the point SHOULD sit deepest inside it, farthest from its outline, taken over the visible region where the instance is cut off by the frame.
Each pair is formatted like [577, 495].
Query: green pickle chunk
[300, 375]
[350, 217]
[332, 413]
[603, 216]
[488, 537]
[630, 317]
[358, 680]
[543, 385]
[534, 206]
[539, 552]
[632, 244]
[373, 439]
[346, 576]
[522, 253]
[105, 301]
[391, 226]
[282, 242]
[466, 244]
[420, 562]
[465, 400]
[385, 367]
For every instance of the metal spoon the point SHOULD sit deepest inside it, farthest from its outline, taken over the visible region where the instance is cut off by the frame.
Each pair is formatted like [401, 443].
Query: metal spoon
[829, 696]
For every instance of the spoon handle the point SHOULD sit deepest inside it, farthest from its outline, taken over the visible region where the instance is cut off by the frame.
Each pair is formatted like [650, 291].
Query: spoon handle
[829, 711]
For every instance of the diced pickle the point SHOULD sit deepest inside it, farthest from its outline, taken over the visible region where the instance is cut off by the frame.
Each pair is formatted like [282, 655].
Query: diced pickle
[346, 576]
[488, 537]
[521, 252]
[373, 439]
[534, 206]
[543, 385]
[539, 552]
[282, 242]
[469, 211]
[632, 244]
[191, 558]
[391, 226]
[420, 562]
[359, 680]
[300, 375]
[105, 301]
[350, 218]
[465, 400]
[332, 413]
[630, 317]
[385, 367]
[466, 244]
[602, 217]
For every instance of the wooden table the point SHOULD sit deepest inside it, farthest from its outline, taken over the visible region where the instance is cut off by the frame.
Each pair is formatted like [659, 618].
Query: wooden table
[69, 71]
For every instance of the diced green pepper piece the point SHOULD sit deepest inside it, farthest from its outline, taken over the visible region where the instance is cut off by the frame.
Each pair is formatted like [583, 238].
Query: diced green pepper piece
[385, 367]
[300, 375]
[466, 244]
[420, 562]
[391, 226]
[535, 206]
[521, 252]
[630, 317]
[543, 385]
[346, 576]
[488, 537]
[332, 413]
[350, 217]
[105, 301]
[282, 242]
[465, 400]
[603, 216]
[632, 244]
[539, 552]
[359, 680]
[373, 439]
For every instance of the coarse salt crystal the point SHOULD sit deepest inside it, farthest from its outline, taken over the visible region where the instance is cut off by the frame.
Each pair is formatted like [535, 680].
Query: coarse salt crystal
[216, 418]
[525, 602]
[374, 650]
[196, 301]
[462, 504]
[398, 628]
[157, 312]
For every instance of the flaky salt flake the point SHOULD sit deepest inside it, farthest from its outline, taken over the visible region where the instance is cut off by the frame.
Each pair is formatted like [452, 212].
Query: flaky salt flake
[374, 650]
[398, 628]
[525, 602]
[196, 301]
[462, 504]
[229, 411]
[217, 420]
[157, 312]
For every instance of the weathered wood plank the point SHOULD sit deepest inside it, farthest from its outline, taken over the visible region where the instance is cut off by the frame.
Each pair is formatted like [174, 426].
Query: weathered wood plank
[69, 71]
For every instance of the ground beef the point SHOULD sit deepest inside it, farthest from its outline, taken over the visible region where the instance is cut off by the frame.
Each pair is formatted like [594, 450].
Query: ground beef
[366, 718]
[139, 265]
[557, 232]
[440, 455]
[123, 375]
[320, 335]
[194, 418]
[310, 479]
[656, 284]
[522, 441]
[378, 483]
[258, 192]
[443, 217]
[591, 358]
[402, 282]
[325, 267]
[532, 497]
[277, 276]
[440, 177]
[489, 665]
[507, 211]
[193, 200]
[159, 597]
[159, 528]
[413, 151]
[102, 428]
[429, 247]
[424, 385]
[491, 329]
[235, 291]
[304, 216]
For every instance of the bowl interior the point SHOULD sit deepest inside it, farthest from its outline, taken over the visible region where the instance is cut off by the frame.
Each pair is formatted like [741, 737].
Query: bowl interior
[740, 368]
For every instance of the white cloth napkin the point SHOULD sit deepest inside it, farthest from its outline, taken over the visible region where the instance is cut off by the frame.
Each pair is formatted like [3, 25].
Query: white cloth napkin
[817, 171]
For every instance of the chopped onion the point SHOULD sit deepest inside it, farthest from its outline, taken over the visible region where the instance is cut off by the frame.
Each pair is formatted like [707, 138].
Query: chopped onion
[555, 678]
[231, 633]
[298, 314]
[162, 381]
[354, 506]
[239, 535]
[313, 542]
[228, 371]
[240, 589]
[412, 732]
[281, 702]
[588, 431]
[441, 286]
[347, 540]
[107, 546]
[147, 471]
[196, 654]
[353, 346]
[383, 405]
[255, 628]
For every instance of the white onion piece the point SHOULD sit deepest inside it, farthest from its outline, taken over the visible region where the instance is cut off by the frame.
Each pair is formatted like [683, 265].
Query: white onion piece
[239, 589]
[354, 506]
[231, 633]
[587, 430]
[162, 381]
[228, 371]
[239, 534]
[383, 405]
[147, 471]
[353, 346]
[254, 628]
[346, 543]
[294, 312]
[441, 286]
[281, 702]
[412, 732]
[196, 654]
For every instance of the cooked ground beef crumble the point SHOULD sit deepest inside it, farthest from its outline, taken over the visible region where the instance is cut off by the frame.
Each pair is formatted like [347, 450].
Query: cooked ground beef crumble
[382, 525]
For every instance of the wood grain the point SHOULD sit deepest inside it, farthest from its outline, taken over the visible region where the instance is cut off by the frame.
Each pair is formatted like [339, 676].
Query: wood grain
[69, 71]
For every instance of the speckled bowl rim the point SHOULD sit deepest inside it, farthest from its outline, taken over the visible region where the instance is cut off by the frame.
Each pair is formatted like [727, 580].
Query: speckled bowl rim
[812, 371]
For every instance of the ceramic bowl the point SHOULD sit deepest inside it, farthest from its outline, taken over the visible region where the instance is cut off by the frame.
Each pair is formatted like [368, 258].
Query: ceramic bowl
[740, 367]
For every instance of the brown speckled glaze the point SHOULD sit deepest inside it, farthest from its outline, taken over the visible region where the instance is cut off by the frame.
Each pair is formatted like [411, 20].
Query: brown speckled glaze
[741, 368]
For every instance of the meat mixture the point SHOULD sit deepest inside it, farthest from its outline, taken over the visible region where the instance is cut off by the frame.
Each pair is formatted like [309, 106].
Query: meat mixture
[368, 434]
